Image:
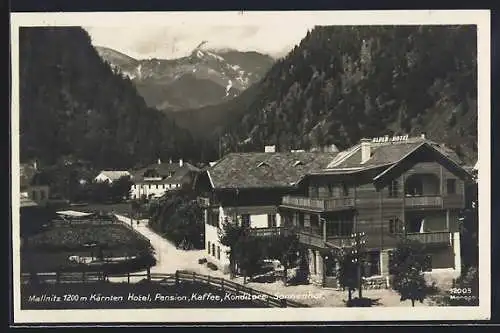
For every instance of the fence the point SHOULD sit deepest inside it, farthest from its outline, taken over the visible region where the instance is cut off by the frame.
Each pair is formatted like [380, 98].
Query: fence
[176, 279]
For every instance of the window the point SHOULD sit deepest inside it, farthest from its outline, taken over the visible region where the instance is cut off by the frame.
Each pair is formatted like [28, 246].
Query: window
[213, 250]
[208, 247]
[314, 191]
[42, 195]
[245, 220]
[218, 252]
[395, 226]
[156, 186]
[393, 189]
[451, 186]
[33, 195]
[271, 220]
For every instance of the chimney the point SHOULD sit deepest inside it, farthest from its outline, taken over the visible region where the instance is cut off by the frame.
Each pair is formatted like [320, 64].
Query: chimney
[365, 150]
[270, 149]
[159, 161]
[181, 162]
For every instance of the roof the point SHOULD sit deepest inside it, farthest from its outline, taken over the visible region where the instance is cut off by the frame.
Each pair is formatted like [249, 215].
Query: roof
[179, 173]
[266, 170]
[73, 213]
[384, 154]
[114, 174]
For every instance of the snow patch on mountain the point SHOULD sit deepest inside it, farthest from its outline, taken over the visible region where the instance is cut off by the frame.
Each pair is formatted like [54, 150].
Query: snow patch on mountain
[228, 87]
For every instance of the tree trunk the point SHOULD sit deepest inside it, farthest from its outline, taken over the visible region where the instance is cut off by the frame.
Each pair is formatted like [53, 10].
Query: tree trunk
[412, 302]
[349, 294]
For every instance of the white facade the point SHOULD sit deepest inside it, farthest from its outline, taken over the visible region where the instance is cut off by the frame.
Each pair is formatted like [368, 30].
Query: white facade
[151, 189]
[37, 193]
[110, 176]
[218, 253]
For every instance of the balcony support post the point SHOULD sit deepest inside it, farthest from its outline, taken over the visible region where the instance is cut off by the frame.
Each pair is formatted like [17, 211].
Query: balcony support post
[323, 221]
[447, 220]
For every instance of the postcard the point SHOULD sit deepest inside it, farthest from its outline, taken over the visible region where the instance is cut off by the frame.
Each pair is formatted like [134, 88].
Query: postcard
[250, 167]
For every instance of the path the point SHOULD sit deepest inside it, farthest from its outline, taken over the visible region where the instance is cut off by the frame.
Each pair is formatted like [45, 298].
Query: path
[169, 259]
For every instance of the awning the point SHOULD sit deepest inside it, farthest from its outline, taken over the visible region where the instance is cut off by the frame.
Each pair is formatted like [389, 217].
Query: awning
[73, 213]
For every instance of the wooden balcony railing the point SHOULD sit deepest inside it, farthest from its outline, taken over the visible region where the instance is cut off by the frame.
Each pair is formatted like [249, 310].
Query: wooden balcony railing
[316, 239]
[270, 232]
[440, 237]
[321, 204]
[424, 201]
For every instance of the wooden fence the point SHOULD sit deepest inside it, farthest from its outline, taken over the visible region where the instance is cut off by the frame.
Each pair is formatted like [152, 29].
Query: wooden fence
[174, 279]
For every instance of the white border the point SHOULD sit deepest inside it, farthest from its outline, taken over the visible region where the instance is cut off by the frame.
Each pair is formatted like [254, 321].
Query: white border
[481, 18]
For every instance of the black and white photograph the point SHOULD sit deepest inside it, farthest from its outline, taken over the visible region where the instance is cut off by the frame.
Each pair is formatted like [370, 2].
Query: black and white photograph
[250, 166]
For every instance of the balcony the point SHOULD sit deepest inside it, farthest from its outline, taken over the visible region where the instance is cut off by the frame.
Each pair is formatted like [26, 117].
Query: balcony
[315, 238]
[270, 232]
[434, 201]
[318, 204]
[431, 238]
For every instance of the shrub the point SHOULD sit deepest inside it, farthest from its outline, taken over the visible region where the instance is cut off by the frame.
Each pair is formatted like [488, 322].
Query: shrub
[212, 266]
[202, 261]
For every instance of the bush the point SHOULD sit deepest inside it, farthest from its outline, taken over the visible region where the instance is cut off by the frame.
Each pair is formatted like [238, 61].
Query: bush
[212, 266]
[202, 261]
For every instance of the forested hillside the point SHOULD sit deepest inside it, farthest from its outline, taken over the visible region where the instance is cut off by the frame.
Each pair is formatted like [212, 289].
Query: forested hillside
[73, 106]
[343, 83]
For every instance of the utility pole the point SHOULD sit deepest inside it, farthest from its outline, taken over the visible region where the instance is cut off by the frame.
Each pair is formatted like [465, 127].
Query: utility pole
[358, 249]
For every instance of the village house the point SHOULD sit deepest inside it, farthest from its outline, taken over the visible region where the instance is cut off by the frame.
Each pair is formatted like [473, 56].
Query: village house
[34, 184]
[248, 187]
[387, 188]
[156, 179]
[111, 176]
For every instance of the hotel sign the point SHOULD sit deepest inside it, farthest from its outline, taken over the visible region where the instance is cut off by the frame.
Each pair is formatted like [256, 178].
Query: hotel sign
[386, 138]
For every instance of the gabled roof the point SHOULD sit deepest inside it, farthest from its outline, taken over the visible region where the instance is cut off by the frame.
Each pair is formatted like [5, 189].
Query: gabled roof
[171, 173]
[384, 154]
[266, 170]
[114, 174]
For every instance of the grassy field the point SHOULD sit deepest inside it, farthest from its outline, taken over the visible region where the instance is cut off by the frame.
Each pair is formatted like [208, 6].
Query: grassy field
[105, 295]
[49, 250]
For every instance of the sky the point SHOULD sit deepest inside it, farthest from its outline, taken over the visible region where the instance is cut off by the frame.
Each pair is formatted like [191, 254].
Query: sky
[176, 41]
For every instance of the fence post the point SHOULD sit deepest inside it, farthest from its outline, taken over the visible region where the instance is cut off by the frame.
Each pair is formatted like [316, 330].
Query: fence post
[176, 278]
[128, 277]
[57, 277]
[83, 276]
[149, 273]
[222, 285]
[208, 279]
[283, 302]
[194, 275]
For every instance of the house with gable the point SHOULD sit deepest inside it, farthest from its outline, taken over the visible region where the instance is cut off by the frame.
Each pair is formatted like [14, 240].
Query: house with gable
[387, 188]
[156, 179]
[247, 188]
[34, 184]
